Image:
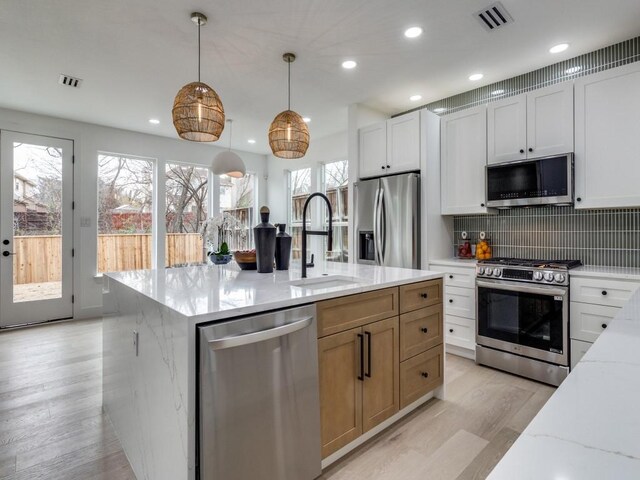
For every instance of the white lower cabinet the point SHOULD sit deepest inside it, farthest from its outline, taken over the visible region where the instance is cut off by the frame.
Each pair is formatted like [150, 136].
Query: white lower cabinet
[459, 305]
[578, 349]
[588, 321]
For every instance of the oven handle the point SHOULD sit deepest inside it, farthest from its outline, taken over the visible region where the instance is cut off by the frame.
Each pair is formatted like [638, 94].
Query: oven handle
[542, 289]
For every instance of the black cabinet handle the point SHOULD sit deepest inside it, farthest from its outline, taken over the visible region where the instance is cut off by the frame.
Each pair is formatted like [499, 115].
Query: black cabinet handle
[368, 374]
[424, 374]
[424, 329]
[578, 199]
[450, 276]
[604, 325]
[424, 295]
[388, 166]
[482, 205]
[451, 330]
[530, 149]
[361, 376]
[521, 150]
[6, 253]
[383, 167]
[5, 242]
[604, 292]
[451, 300]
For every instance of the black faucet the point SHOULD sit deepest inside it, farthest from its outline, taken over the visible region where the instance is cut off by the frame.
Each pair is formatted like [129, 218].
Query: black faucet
[306, 232]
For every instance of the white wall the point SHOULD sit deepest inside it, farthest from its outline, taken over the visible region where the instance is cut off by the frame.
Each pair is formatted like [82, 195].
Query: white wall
[90, 139]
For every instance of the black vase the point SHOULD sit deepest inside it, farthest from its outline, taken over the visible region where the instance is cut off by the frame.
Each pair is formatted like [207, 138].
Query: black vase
[283, 248]
[264, 236]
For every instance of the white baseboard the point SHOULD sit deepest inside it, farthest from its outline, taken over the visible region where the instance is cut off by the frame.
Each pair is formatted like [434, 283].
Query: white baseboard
[461, 352]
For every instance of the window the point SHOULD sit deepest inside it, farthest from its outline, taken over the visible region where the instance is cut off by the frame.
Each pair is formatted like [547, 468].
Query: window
[187, 194]
[237, 197]
[125, 196]
[300, 188]
[336, 179]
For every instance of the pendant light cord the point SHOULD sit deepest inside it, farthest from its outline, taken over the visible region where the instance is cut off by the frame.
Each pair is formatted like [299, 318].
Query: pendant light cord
[199, 22]
[289, 87]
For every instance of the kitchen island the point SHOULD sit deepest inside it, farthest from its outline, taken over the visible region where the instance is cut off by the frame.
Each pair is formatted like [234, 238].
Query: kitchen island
[150, 357]
[589, 428]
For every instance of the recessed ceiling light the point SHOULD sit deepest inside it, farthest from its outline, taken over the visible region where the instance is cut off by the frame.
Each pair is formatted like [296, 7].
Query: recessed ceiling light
[571, 70]
[500, 91]
[251, 141]
[154, 121]
[475, 77]
[559, 48]
[306, 119]
[415, 98]
[413, 32]
[439, 110]
[349, 64]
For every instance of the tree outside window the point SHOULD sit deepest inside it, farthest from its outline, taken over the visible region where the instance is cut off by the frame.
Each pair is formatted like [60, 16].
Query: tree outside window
[336, 181]
[237, 198]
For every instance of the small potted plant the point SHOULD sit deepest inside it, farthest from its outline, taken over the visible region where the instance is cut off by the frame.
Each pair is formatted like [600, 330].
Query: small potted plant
[214, 231]
[221, 256]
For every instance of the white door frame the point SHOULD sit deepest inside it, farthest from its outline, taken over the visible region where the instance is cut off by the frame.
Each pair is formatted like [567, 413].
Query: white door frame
[36, 311]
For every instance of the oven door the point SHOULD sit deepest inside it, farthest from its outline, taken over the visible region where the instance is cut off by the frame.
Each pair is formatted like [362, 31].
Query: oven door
[528, 320]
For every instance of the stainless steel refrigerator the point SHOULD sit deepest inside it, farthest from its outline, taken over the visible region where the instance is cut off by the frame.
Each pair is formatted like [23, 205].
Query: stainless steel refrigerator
[387, 221]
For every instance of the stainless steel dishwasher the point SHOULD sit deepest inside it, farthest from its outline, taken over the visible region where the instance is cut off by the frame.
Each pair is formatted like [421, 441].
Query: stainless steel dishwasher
[259, 407]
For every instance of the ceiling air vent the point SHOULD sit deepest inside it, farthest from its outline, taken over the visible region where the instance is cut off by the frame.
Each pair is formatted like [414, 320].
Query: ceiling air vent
[69, 81]
[493, 17]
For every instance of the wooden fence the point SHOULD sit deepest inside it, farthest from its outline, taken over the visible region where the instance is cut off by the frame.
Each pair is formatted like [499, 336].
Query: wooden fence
[38, 259]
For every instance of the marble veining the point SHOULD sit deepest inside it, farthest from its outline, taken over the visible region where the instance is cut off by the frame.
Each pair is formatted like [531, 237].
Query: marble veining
[589, 428]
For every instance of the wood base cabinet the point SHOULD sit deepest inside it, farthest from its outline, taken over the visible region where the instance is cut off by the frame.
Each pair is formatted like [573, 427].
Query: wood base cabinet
[362, 379]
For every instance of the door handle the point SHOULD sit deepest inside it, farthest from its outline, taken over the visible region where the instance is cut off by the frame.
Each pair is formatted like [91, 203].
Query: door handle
[383, 226]
[249, 338]
[6, 253]
[368, 374]
[376, 229]
[361, 338]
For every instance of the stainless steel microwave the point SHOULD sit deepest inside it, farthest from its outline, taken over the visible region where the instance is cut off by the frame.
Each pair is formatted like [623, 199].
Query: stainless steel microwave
[539, 181]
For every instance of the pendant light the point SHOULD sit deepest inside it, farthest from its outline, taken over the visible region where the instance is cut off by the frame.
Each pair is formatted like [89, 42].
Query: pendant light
[198, 114]
[288, 133]
[228, 162]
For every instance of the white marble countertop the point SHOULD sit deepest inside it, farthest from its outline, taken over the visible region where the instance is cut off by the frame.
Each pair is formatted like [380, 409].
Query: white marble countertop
[590, 427]
[455, 262]
[625, 273]
[215, 292]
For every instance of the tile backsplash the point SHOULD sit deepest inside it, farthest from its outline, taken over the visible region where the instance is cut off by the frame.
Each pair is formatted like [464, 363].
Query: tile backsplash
[596, 237]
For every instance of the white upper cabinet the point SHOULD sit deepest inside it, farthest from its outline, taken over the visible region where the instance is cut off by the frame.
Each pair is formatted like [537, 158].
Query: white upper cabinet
[390, 147]
[372, 157]
[463, 144]
[607, 157]
[536, 124]
[403, 143]
[507, 129]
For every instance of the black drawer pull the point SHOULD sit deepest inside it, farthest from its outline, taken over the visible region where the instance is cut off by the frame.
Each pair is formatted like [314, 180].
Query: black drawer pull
[424, 295]
[361, 338]
[604, 292]
[450, 276]
[522, 150]
[604, 325]
[424, 329]
[424, 374]
[451, 330]
[451, 300]
[369, 353]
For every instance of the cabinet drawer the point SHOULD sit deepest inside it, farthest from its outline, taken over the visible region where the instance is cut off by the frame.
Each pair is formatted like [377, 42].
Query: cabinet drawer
[460, 332]
[602, 291]
[339, 314]
[578, 349]
[588, 321]
[419, 295]
[420, 374]
[420, 330]
[460, 302]
[457, 276]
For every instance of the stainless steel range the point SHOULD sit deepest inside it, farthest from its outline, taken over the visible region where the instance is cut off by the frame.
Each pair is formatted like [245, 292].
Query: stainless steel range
[523, 317]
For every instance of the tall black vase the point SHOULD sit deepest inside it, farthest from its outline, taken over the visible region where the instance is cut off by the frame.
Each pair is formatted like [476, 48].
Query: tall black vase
[283, 248]
[264, 236]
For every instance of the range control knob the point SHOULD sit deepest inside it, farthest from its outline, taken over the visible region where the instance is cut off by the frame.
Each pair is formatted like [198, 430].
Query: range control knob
[559, 277]
[548, 276]
[488, 271]
[497, 272]
[480, 270]
[537, 276]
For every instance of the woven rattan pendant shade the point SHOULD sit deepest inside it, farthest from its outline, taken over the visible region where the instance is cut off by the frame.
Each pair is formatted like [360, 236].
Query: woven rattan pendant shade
[288, 133]
[198, 114]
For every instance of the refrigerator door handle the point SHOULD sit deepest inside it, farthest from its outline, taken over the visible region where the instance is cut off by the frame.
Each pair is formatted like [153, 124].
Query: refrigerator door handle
[383, 227]
[376, 227]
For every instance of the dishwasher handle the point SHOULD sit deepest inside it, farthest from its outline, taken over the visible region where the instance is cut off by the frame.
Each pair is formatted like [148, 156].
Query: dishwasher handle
[261, 336]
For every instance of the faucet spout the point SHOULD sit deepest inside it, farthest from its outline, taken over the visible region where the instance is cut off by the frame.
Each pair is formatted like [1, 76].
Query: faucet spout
[328, 233]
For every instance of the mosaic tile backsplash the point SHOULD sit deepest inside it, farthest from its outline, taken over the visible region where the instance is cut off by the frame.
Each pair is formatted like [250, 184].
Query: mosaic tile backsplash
[596, 237]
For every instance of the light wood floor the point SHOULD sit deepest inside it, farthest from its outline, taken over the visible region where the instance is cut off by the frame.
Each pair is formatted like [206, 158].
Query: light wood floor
[52, 426]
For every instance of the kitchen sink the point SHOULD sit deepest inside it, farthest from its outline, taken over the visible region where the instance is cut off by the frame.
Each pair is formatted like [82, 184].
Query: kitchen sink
[327, 281]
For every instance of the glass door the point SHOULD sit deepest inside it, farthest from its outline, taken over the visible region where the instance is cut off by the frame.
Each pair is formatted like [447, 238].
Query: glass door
[36, 228]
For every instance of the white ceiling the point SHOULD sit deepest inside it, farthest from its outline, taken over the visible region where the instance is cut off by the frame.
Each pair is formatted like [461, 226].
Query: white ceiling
[134, 55]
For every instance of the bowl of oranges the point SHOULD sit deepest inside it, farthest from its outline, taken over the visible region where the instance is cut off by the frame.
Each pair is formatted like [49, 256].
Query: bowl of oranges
[483, 248]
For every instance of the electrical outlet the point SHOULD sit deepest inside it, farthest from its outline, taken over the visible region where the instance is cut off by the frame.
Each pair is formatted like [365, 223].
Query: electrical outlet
[135, 341]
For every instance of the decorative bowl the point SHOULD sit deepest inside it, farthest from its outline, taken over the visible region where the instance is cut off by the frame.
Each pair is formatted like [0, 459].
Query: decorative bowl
[246, 259]
[220, 259]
